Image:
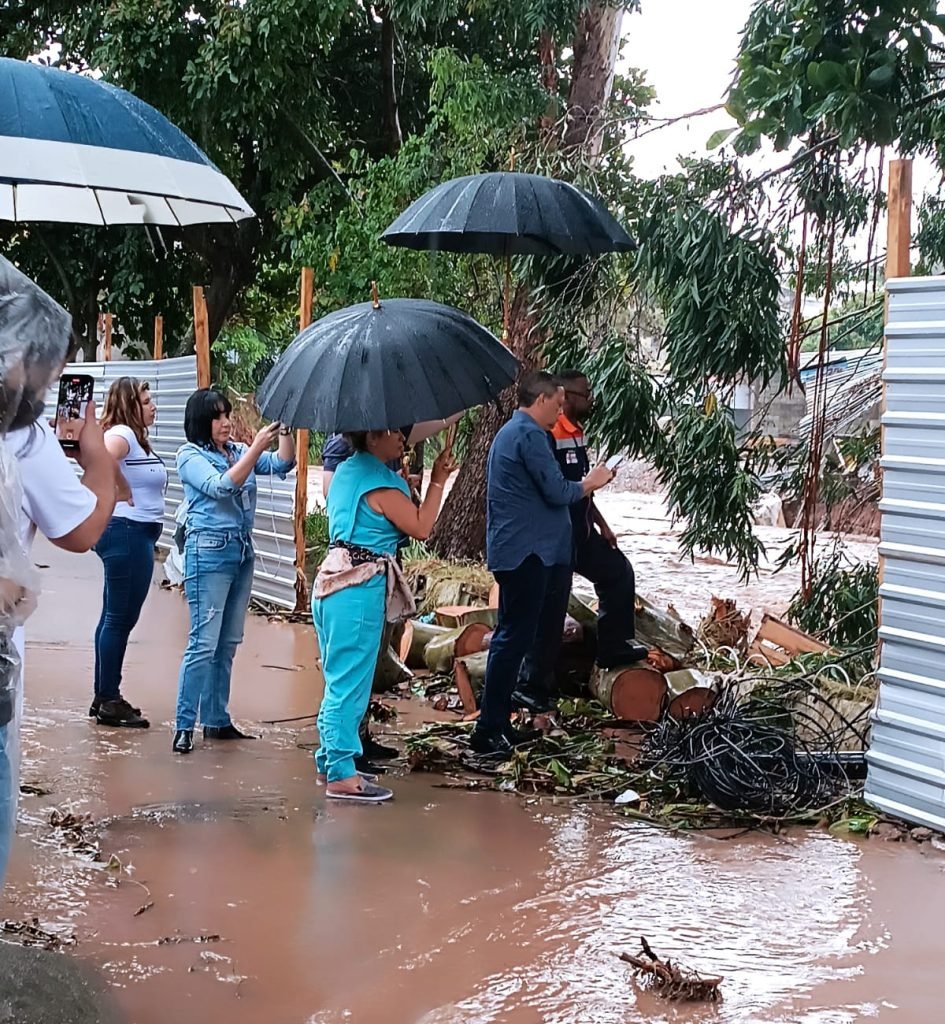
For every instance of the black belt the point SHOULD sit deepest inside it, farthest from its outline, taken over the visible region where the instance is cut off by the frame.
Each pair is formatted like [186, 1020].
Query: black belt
[358, 554]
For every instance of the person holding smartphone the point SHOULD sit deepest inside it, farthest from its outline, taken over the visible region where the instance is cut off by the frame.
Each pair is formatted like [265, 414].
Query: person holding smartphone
[34, 336]
[219, 479]
[126, 548]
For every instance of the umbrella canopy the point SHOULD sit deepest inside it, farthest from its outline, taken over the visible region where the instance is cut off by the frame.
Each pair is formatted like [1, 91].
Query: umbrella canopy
[81, 151]
[506, 213]
[379, 365]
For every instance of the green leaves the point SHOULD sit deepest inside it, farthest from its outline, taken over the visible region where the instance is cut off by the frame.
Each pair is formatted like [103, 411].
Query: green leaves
[821, 68]
[719, 291]
[717, 138]
[843, 603]
[711, 484]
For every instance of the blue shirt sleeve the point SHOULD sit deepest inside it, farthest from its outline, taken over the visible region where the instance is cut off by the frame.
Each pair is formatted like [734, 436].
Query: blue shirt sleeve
[543, 468]
[335, 451]
[202, 475]
[269, 464]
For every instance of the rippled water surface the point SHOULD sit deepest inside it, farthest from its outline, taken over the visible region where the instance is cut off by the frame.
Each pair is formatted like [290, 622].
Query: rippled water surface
[441, 908]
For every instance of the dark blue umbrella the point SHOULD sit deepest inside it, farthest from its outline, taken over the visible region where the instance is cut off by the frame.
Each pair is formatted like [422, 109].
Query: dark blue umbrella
[381, 365]
[78, 150]
[506, 213]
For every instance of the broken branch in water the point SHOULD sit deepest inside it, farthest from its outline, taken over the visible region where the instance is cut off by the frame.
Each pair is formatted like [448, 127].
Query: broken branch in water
[671, 980]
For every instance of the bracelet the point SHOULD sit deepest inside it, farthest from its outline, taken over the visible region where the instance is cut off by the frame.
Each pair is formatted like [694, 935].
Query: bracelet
[285, 433]
[433, 483]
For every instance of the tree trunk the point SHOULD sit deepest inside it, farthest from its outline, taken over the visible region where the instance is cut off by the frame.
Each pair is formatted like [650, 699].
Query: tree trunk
[632, 694]
[416, 636]
[595, 55]
[391, 106]
[230, 252]
[549, 82]
[441, 651]
[460, 531]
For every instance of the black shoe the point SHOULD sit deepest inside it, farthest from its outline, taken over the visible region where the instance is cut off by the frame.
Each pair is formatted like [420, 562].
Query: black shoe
[120, 713]
[489, 744]
[377, 751]
[225, 732]
[366, 766]
[536, 703]
[517, 737]
[96, 704]
[629, 654]
[183, 741]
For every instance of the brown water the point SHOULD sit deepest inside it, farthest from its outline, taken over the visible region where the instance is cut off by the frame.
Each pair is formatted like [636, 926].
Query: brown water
[441, 908]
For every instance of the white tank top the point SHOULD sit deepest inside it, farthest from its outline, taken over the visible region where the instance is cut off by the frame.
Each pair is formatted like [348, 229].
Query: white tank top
[147, 477]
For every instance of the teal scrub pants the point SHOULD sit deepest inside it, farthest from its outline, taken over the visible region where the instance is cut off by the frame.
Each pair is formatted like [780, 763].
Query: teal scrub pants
[349, 625]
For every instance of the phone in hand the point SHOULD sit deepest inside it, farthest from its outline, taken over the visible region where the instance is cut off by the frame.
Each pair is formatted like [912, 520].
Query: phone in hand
[614, 461]
[75, 393]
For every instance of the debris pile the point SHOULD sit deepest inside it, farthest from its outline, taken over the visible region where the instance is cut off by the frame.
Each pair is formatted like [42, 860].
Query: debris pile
[30, 933]
[718, 727]
[672, 980]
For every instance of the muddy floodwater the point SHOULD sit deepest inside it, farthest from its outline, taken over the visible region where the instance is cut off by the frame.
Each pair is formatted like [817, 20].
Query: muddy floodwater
[443, 907]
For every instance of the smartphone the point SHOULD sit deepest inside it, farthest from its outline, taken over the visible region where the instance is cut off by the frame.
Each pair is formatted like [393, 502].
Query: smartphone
[75, 393]
[614, 461]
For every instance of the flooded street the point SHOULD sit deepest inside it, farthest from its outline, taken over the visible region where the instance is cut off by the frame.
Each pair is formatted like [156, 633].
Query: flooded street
[444, 907]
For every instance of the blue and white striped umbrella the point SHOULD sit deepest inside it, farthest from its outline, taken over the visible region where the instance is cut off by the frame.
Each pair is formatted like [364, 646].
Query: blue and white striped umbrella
[78, 150]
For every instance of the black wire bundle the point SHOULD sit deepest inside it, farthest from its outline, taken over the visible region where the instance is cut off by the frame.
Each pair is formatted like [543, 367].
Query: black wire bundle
[767, 752]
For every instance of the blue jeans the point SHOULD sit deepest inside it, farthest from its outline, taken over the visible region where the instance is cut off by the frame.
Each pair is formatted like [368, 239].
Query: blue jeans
[218, 580]
[126, 549]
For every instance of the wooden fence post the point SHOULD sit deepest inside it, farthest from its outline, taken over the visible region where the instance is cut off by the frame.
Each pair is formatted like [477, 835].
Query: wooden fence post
[306, 294]
[107, 344]
[898, 244]
[159, 337]
[201, 338]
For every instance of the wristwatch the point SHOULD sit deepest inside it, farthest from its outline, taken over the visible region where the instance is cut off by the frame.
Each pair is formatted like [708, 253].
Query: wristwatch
[285, 431]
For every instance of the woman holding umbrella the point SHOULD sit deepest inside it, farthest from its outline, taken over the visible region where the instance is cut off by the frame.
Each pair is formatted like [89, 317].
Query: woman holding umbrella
[357, 371]
[359, 586]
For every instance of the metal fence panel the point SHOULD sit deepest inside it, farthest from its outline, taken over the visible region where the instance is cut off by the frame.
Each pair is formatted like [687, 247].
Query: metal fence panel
[907, 747]
[172, 382]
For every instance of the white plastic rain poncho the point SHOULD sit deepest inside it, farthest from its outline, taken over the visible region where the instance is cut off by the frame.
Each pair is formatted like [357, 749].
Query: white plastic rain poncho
[34, 336]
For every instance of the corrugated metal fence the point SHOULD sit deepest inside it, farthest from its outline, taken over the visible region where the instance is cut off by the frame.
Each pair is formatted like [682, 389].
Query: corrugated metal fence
[172, 382]
[907, 754]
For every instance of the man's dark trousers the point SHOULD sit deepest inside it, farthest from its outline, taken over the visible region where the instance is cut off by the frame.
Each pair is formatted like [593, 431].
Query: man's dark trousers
[533, 599]
[614, 582]
[612, 575]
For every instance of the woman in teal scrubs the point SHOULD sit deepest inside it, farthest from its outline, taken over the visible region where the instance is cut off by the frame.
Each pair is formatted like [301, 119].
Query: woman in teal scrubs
[369, 512]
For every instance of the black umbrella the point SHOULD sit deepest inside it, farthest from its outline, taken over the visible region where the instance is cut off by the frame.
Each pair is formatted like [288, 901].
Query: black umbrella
[381, 365]
[507, 213]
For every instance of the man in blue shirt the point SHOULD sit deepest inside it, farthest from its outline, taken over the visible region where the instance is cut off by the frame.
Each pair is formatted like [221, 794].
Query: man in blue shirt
[528, 547]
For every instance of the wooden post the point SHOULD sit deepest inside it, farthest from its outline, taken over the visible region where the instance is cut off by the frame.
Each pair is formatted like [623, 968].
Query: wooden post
[201, 338]
[306, 297]
[898, 244]
[159, 337]
[107, 345]
[899, 229]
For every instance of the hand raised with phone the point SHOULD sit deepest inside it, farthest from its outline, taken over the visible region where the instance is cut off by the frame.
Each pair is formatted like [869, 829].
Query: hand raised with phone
[91, 445]
[265, 436]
